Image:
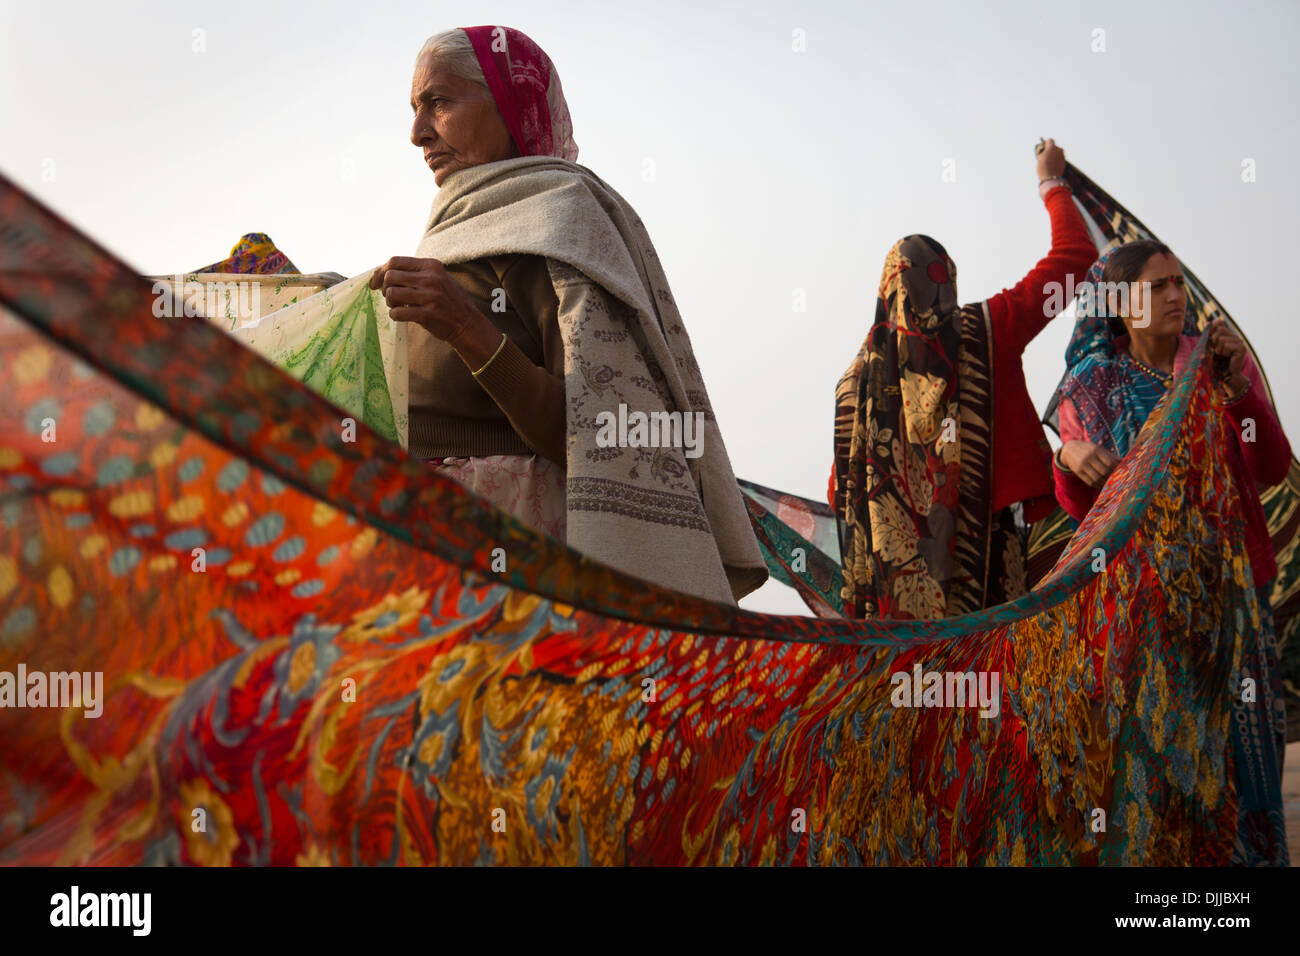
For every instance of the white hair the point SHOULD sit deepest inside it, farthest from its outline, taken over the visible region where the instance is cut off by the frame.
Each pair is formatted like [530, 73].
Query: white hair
[453, 49]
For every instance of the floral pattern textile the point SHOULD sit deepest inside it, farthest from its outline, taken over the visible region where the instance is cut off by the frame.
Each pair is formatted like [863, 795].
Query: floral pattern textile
[1113, 224]
[913, 416]
[344, 345]
[305, 639]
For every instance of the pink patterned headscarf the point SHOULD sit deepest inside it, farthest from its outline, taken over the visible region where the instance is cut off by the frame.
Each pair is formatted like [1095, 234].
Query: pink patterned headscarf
[519, 74]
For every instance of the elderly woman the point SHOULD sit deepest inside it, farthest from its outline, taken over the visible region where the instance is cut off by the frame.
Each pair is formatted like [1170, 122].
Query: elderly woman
[541, 316]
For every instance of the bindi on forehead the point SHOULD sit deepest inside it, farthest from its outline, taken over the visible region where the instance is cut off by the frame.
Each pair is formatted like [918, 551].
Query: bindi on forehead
[1163, 266]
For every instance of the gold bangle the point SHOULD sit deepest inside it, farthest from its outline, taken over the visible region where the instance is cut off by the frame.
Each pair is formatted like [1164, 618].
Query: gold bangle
[1239, 396]
[494, 355]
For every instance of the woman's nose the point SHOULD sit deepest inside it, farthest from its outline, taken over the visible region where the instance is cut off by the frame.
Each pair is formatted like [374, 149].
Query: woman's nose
[420, 132]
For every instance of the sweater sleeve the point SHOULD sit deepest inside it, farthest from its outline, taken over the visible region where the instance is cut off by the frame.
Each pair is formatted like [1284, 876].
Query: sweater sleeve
[1032, 303]
[1075, 495]
[1263, 444]
[532, 397]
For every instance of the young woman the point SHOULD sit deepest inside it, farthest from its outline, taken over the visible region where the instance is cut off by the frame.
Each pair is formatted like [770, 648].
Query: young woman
[1122, 359]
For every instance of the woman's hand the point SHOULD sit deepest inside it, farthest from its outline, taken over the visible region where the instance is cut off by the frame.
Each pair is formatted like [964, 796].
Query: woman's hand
[422, 291]
[1227, 343]
[1051, 161]
[1091, 463]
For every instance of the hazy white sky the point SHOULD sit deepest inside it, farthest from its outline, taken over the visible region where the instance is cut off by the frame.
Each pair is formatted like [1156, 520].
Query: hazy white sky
[759, 170]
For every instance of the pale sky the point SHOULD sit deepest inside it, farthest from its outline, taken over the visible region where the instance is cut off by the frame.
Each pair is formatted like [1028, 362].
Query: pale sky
[758, 169]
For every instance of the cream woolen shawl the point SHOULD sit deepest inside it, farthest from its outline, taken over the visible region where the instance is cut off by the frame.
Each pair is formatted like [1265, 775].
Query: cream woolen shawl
[652, 512]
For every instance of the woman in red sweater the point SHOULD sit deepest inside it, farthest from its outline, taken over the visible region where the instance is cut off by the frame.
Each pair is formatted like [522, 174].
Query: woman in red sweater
[936, 438]
[1121, 361]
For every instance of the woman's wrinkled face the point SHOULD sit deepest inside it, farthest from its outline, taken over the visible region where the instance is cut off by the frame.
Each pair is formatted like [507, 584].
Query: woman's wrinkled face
[1158, 299]
[457, 123]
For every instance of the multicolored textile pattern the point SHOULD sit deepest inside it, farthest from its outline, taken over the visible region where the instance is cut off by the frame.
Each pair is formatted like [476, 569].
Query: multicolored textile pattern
[310, 652]
[1114, 224]
[799, 544]
[1259, 749]
[913, 421]
[1047, 539]
[1112, 393]
[527, 91]
[254, 253]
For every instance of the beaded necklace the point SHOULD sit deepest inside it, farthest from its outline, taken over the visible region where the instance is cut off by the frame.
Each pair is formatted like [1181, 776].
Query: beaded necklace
[1164, 378]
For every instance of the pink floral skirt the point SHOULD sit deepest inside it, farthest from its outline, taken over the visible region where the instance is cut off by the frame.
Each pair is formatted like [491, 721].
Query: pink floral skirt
[530, 487]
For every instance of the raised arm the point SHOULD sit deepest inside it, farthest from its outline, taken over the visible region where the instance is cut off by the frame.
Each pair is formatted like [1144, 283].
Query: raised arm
[1042, 294]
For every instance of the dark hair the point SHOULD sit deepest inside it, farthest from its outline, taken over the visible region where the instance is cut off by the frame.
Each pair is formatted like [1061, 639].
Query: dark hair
[1125, 264]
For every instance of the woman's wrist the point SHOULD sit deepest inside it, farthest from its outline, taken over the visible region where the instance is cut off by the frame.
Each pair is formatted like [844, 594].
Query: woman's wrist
[477, 342]
[1234, 391]
[1060, 462]
[1045, 186]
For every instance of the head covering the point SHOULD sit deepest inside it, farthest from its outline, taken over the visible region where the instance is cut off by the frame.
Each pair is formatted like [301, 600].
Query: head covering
[255, 254]
[912, 440]
[1111, 392]
[519, 75]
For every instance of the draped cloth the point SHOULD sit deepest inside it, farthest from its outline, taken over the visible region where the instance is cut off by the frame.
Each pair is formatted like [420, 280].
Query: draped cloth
[1112, 223]
[650, 511]
[343, 344]
[1111, 392]
[307, 639]
[664, 507]
[1113, 396]
[255, 253]
[526, 87]
[799, 540]
[913, 429]
[790, 525]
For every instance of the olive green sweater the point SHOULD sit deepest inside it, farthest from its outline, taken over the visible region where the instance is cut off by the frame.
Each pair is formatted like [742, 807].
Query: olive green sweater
[516, 406]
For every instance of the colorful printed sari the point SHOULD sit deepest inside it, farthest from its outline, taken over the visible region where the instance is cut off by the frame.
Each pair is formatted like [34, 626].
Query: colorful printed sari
[803, 521]
[1114, 395]
[317, 651]
[1111, 392]
[1112, 224]
[913, 415]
